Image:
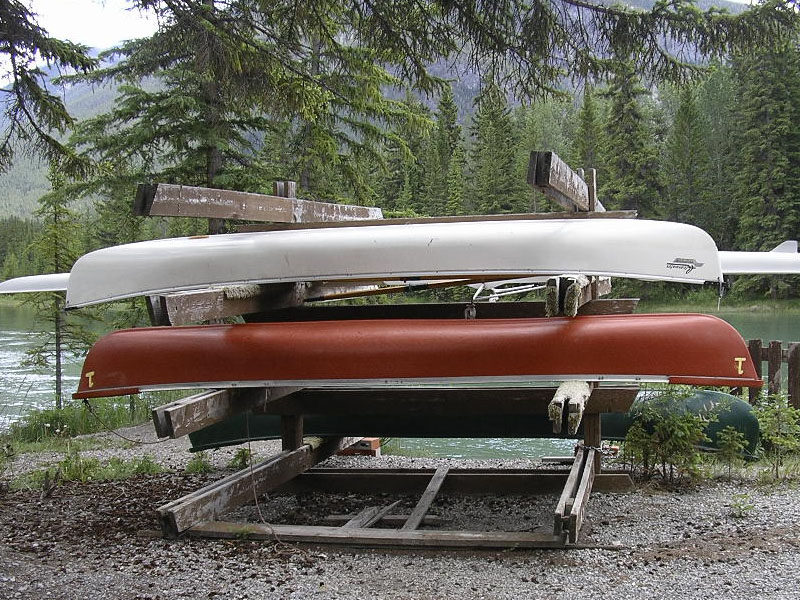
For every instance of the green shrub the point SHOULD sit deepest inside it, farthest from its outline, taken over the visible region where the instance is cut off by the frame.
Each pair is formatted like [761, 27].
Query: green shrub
[242, 459]
[199, 464]
[780, 429]
[732, 444]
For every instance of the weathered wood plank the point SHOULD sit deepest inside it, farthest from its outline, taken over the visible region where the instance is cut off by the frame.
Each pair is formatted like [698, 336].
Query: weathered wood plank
[369, 516]
[793, 374]
[467, 482]
[578, 510]
[376, 537]
[564, 504]
[592, 436]
[200, 410]
[446, 402]
[170, 200]
[389, 520]
[614, 214]
[484, 310]
[774, 359]
[754, 347]
[556, 180]
[183, 308]
[424, 504]
[222, 496]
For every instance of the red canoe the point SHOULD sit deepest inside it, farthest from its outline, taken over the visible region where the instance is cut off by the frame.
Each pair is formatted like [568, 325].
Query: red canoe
[676, 348]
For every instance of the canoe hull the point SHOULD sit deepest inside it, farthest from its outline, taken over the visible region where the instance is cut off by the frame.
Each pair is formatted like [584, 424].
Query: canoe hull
[680, 348]
[652, 250]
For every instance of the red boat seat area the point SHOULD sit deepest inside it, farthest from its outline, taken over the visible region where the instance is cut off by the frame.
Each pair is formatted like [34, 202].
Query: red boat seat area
[678, 348]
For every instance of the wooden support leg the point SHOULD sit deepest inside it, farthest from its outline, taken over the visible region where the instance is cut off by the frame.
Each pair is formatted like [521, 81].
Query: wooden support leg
[592, 436]
[291, 432]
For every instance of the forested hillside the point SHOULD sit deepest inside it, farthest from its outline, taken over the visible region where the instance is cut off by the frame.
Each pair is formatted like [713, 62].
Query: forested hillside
[440, 136]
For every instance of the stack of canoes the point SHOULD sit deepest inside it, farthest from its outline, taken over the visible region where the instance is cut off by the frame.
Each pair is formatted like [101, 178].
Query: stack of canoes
[674, 348]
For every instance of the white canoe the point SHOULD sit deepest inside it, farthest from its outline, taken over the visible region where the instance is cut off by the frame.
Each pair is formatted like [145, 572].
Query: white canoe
[782, 260]
[54, 282]
[650, 250]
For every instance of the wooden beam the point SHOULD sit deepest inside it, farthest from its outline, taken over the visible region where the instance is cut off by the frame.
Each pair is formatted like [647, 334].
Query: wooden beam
[444, 402]
[483, 310]
[200, 410]
[578, 509]
[754, 347]
[459, 482]
[198, 306]
[291, 432]
[168, 200]
[376, 537]
[388, 520]
[424, 504]
[615, 214]
[556, 180]
[369, 516]
[219, 497]
[793, 374]
[564, 504]
[774, 359]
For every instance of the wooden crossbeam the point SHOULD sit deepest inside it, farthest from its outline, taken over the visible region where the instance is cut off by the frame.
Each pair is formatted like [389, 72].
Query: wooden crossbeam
[458, 482]
[219, 497]
[565, 501]
[200, 410]
[377, 537]
[396, 521]
[453, 310]
[445, 402]
[581, 499]
[168, 200]
[614, 214]
[424, 504]
[556, 180]
[369, 516]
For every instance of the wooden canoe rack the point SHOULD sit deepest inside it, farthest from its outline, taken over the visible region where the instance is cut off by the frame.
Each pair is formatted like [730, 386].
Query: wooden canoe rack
[293, 470]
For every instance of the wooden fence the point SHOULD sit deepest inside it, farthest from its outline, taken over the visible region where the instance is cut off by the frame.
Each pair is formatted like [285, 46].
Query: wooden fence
[775, 355]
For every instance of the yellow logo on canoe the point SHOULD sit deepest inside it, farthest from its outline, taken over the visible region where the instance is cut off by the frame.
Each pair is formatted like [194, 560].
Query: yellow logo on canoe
[739, 362]
[90, 379]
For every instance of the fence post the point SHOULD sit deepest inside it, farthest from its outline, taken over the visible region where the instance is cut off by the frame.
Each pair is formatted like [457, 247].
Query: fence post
[774, 360]
[793, 363]
[754, 346]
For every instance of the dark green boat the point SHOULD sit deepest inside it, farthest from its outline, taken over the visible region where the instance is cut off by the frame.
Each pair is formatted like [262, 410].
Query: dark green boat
[729, 411]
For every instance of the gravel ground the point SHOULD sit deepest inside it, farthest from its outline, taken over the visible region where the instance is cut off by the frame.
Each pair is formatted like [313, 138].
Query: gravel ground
[101, 540]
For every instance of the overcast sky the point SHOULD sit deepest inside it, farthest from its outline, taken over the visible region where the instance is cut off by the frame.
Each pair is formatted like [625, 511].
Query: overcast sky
[96, 23]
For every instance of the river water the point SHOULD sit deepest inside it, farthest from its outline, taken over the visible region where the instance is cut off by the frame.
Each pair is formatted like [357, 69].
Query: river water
[22, 388]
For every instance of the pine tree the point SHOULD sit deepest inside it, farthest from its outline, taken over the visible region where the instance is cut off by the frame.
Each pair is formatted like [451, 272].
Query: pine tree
[684, 166]
[456, 184]
[496, 185]
[56, 246]
[588, 142]
[768, 145]
[631, 179]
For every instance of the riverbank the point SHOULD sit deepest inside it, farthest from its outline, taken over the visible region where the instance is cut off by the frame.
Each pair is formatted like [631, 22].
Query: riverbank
[737, 539]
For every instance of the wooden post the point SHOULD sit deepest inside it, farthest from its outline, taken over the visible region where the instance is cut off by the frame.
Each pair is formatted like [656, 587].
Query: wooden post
[592, 436]
[591, 182]
[291, 432]
[754, 346]
[793, 374]
[774, 360]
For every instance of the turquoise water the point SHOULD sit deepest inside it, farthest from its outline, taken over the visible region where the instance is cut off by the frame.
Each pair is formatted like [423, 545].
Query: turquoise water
[22, 388]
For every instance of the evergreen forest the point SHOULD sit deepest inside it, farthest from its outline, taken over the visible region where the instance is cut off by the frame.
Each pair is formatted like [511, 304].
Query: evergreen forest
[418, 108]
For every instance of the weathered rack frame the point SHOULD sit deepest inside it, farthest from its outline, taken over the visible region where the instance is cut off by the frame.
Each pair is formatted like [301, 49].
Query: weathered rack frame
[775, 355]
[198, 512]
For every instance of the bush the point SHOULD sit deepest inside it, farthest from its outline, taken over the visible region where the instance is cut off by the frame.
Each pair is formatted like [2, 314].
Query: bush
[780, 429]
[199, 464]
[663, 439]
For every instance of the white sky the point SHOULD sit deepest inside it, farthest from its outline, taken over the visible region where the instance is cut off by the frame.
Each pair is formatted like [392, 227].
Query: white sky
[97, 23]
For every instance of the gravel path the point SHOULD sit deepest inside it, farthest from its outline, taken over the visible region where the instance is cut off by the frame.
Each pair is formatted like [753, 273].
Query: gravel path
[100, 540]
